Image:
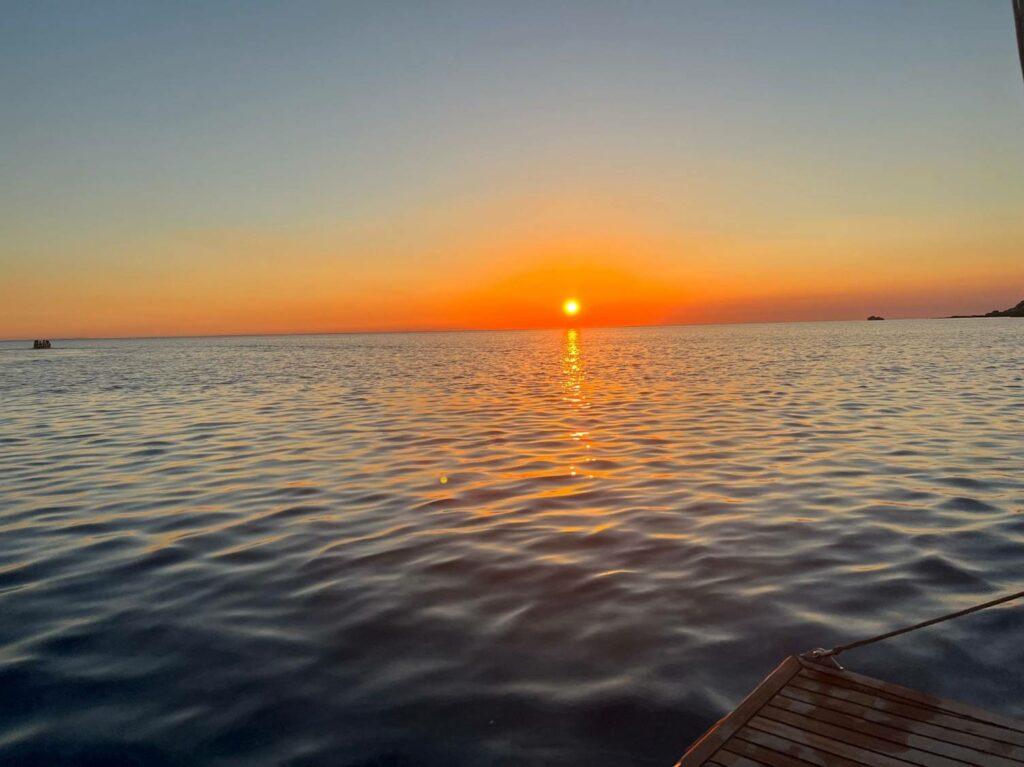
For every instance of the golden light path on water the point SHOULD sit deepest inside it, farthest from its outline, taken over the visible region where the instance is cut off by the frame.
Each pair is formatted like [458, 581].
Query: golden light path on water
[575, 378]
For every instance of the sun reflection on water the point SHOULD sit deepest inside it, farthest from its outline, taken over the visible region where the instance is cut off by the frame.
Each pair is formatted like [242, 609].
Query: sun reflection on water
[572, 366]
[574, 393]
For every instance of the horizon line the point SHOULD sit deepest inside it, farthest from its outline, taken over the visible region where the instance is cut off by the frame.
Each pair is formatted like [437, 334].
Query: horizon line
[463, 330]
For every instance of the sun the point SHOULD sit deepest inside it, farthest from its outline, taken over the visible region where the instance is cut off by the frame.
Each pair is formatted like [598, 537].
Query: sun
[571, 307]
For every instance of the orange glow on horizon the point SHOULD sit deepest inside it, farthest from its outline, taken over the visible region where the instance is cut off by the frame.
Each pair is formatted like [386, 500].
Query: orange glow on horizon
[630, 269]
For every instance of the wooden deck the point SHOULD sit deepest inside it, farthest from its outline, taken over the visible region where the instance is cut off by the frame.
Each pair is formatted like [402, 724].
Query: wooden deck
[808, 713]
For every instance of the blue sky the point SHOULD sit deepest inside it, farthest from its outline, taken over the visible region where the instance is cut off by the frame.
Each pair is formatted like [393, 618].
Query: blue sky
[131, 127]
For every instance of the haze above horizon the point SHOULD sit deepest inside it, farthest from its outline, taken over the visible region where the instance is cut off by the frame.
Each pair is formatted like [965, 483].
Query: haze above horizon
[235, 168]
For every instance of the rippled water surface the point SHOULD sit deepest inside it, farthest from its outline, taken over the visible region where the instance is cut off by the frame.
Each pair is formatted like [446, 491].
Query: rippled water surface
[551, 548]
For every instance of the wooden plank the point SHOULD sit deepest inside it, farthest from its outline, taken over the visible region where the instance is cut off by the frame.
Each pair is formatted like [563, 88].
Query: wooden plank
[807, 753]
[727, 759]
[868, 741]
[931, 716]
[892, 734]
[862, 754]
[900, 751]
[915, 696]
[713, 739]
[872, 691]
[758, 753]
[1012, 754]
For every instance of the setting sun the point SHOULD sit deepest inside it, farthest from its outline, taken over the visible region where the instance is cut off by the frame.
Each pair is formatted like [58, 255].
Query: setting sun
[571, 307]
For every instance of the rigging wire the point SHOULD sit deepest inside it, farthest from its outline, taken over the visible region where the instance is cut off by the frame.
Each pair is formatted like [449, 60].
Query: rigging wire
[822, 653]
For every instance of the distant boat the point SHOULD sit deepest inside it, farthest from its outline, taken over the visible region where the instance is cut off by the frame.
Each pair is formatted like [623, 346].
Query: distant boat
[874, 317]
[41, 344]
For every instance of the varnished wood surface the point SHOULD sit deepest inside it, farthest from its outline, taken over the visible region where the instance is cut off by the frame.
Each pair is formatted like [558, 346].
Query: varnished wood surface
[807, 713]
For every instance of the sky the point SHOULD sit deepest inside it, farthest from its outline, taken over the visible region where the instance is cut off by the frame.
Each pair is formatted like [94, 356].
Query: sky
[245, 167]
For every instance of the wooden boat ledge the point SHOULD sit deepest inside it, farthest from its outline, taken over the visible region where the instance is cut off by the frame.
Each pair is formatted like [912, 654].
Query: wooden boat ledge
[812, 712]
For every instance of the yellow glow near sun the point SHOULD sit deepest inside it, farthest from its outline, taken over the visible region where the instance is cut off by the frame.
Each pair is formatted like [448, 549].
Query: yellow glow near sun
[571, 307]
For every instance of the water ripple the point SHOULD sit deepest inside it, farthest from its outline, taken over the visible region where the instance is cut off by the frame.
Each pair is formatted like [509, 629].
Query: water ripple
[491, 548]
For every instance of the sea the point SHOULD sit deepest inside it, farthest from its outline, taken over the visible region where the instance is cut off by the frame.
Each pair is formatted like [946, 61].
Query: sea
[563, 547]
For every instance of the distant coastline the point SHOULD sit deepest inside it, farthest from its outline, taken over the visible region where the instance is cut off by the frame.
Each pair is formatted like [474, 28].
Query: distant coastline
[1013, 311]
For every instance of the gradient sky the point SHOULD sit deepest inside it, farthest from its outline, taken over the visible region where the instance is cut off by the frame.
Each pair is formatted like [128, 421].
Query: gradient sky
[221, 167]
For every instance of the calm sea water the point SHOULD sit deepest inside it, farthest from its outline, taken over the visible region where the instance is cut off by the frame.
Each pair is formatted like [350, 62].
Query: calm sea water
[550, 548]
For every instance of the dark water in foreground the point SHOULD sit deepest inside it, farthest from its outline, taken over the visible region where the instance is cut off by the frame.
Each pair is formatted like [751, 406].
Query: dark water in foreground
[242, 551]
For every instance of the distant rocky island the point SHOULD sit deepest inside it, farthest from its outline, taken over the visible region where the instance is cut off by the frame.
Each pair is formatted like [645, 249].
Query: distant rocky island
[875, 318]
[1013, 311]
